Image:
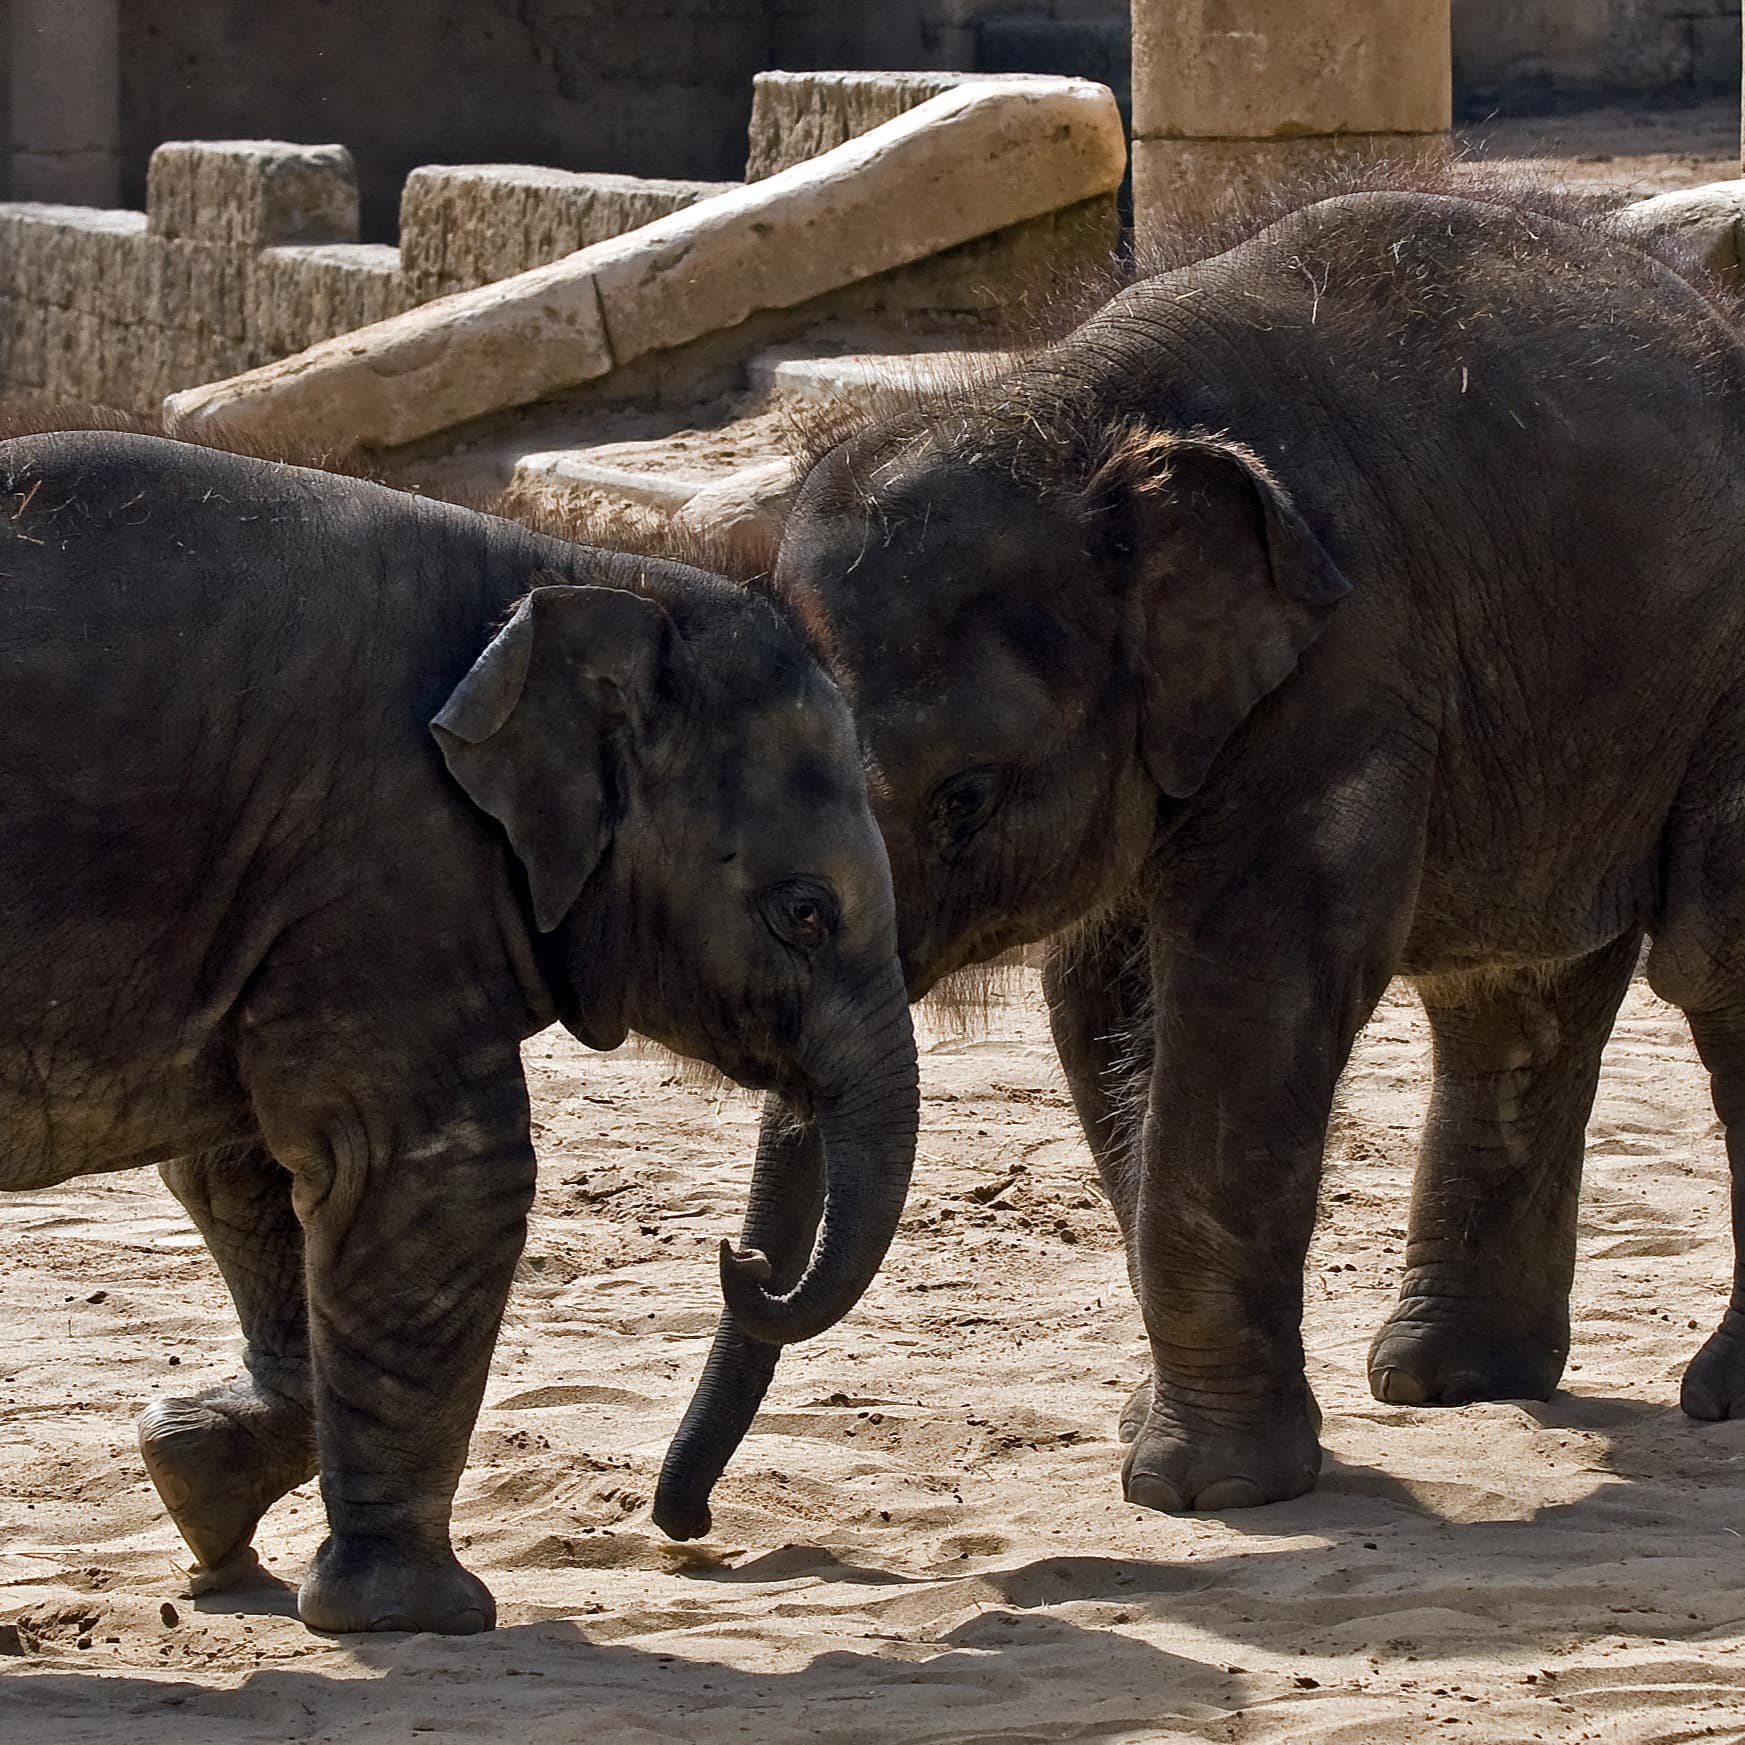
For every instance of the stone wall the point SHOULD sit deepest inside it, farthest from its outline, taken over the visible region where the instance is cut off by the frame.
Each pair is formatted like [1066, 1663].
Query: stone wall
[655, 88]
[247, 252]
[1507, 50]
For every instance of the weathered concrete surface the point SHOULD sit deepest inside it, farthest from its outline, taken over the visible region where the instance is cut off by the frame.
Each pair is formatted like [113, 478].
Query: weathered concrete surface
[119, 307]
[1507, 47]
[746, 510]
[795, 116]
[618, 470]
[463, 225]
[437, 365]
[1703, 224]
[298, 293]
[798, 374]
[1280, 69]
[1233, 94]
[252, 193]
[1183, 176]
[976, 159]
[63, 100]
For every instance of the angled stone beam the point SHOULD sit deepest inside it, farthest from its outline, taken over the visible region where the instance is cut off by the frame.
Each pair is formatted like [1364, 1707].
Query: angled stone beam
[971, 161]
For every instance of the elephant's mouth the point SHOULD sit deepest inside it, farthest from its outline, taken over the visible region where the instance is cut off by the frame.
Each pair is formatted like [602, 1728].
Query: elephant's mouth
[989, 950]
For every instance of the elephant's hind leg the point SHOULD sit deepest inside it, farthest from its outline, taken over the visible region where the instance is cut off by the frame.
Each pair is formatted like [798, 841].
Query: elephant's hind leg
[1490, 1255]
[222, 1458]
[1714, 1384]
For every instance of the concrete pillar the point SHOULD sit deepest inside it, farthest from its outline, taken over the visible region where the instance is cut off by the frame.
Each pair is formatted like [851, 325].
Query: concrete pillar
[65, 84]
[1233, 94]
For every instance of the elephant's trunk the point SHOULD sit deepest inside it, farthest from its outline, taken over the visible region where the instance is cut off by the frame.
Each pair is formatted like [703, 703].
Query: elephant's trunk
[867, 1113]
[782, 1220]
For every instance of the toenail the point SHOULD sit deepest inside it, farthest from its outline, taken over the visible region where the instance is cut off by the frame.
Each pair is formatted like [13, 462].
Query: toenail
[1146, 1490]
[1230, 1493]
[1398, 1387]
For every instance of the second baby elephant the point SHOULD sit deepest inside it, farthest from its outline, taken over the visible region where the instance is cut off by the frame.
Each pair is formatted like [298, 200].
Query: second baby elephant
[1361, 600]
[315, 800]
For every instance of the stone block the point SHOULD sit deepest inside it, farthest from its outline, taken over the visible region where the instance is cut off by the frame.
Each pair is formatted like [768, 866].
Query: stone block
[470, 224]
[745, 512]
[795, 116]
[1701, 224]
[74, 257]
[15, 368]
[174, 358]
[1182, 178]
[1282, 69]
[251, 193]
[27, 348]
[107, 258]
[201, 286]
[38, 245]
[73, 354]
[300, 295]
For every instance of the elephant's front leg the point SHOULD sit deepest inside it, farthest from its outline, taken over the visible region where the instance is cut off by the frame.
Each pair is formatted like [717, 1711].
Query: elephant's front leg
[1241, 1091]
[413, 1222]
[1490, 1253]
[1098, 988]
[223, 1457]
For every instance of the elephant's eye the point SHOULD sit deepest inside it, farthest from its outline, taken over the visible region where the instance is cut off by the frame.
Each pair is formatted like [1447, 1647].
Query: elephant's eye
[962, 804]
[801, 912]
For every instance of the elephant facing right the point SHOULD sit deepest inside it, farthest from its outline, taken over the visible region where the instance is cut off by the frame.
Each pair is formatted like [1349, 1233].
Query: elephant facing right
[1364, 600]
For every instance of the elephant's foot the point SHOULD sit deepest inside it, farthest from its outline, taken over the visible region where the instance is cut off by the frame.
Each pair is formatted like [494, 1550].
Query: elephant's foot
[379, 1584]
[1179, 1462]
[219, 1462]
[1714, 1384]
[1442, 1348]
[1135, 1412]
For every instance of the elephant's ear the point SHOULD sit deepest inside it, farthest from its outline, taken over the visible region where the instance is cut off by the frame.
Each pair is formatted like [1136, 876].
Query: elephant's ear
[537, 732]
[1228, 587]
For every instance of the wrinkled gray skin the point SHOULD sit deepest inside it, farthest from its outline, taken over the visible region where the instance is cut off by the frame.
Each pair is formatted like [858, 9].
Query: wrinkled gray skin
[1362, 602]
[298, 840]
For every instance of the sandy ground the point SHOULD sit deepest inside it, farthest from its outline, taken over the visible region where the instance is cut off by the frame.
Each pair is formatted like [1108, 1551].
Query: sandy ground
[1635, 149]
[925, 1538]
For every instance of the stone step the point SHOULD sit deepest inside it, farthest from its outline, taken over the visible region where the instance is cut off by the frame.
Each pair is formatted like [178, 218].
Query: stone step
[738, 469]
[647, 474]
[862, 378]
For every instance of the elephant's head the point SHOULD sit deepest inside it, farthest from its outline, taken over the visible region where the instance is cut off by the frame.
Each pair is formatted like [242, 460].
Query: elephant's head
[1046, 636]
[682, 788]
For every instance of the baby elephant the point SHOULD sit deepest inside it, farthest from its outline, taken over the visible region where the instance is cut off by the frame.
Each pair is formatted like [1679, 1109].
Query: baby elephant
[315, 800]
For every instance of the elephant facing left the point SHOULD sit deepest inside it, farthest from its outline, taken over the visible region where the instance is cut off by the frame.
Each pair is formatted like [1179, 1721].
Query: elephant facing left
[316, 799]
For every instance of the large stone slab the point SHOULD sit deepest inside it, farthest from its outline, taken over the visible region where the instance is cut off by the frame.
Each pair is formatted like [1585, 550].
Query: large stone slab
[1702, 224]
[427, 369]
[969, 162]
[251, 193]
[463, 225]
[983, 156]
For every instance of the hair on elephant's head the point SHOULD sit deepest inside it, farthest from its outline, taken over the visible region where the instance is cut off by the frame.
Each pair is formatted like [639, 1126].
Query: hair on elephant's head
[1045, 635]
[681, 785]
